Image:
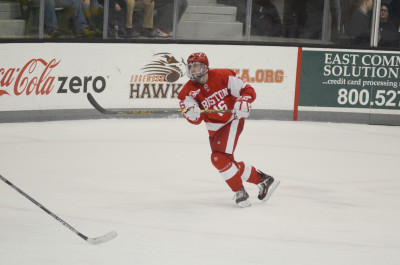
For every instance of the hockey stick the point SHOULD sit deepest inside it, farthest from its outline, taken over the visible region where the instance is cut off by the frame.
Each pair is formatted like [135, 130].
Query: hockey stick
[142, 111]
[94, 241]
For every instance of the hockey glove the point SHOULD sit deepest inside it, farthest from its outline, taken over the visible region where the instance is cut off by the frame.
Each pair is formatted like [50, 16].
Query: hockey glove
[193, 112]
[242, 107]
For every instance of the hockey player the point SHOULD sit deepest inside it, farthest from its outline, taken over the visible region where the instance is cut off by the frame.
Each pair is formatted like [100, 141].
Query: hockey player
[222, 89]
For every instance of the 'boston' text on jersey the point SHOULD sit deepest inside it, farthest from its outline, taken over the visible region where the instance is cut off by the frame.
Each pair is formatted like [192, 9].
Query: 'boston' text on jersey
[214, 98]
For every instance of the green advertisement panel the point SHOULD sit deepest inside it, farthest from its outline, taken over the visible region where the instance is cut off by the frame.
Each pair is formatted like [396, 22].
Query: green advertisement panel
[348, 79]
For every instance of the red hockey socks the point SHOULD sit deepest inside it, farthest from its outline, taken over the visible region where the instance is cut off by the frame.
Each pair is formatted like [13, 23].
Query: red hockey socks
[250, 174]
[239, 172]
[234, 173]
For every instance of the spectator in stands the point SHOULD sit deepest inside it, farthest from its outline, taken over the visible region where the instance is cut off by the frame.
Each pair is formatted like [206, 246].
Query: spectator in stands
[388, 3]
[148, 18]
[294, 16]
[92, 12]
[165, 15]
[388, 34]
[304, 19]
[50, 19]
[394, 11]
[312, 28]
[359, 26]
[265, 20]
[116, 24]
[81, 27]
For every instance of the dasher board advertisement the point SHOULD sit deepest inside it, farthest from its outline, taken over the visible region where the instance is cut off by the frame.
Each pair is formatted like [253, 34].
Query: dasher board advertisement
[350, 81]
[48, 76]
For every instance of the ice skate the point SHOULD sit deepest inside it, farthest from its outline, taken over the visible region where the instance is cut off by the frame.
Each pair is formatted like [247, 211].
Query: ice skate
[267, 186]
[242, 198]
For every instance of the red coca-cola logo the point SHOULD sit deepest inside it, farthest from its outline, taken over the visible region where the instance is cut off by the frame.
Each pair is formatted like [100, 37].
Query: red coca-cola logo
[33, 77]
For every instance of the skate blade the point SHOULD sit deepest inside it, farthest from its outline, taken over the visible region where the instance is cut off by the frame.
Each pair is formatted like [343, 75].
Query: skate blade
[271, 190]
[244, 204]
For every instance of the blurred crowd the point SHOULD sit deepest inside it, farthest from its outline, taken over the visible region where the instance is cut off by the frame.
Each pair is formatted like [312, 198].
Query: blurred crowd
[349, 21]
[84, 18]
[346, 22]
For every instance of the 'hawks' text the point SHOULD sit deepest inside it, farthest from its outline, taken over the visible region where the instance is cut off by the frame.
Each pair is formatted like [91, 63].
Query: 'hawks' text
[154, 90]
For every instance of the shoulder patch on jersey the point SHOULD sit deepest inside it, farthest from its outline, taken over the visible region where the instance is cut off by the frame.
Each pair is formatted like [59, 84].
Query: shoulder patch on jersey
[193, 94]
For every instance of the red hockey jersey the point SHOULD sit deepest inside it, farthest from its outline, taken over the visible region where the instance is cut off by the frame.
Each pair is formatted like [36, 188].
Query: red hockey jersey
[220, 92]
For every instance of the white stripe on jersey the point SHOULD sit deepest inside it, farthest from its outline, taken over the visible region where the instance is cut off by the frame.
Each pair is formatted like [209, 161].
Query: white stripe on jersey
[230, 172]
[235, 84]
[231, 137]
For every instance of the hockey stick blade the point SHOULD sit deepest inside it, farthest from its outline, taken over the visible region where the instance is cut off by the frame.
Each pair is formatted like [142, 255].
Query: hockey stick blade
[95, 104]
[102, 239]
[102, 110]
[94, 241]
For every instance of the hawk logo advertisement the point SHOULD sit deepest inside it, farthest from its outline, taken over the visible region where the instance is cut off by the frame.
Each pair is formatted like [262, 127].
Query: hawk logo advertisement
[159, 77]
[165, 64]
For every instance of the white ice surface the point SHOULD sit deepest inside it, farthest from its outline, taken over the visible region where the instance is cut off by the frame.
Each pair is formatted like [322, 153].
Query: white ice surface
[152, 182]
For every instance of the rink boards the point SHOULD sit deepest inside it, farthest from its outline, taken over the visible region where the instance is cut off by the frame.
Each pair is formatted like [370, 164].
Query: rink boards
[49, 81]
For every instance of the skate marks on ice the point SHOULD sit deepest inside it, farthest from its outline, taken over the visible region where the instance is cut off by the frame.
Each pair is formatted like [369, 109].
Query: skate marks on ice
[152, 181]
